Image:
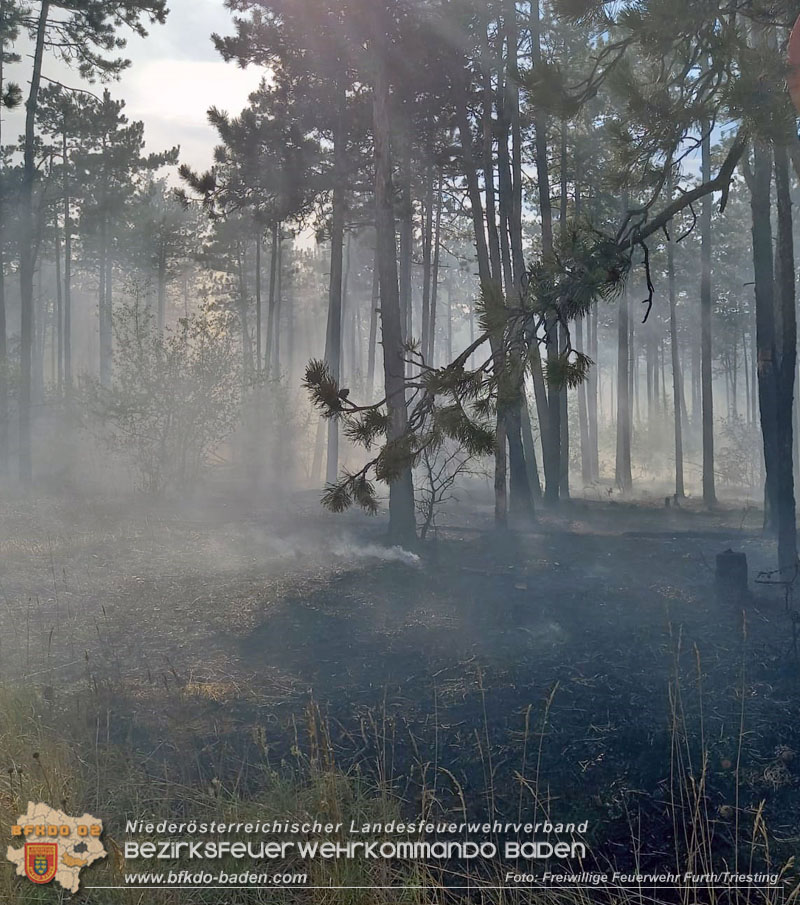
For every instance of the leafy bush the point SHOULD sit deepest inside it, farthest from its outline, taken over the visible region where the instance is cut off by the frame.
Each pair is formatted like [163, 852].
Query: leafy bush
[175, 396]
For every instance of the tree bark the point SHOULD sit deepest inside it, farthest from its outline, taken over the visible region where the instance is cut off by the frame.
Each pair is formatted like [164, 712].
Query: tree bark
[551, 416]
[766, 340]
[593, 392]
[583, 413]
[402, 521]
[427, 264]
[67, 267]
[273, 276]
[786, 342]
[437, 257]
[488, 286]
[623, 477]
[406, 234]
[706, 381]
[677, 376]
[58, 336]
[333, 335]
[259, 326]
[27, 253]
[3, 326]
[375, 299]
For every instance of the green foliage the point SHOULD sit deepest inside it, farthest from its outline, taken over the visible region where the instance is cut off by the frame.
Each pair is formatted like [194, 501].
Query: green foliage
[492, 311]
[175, 397]
[567, 370]
[548, 89]
[476, 437]
[758, 95]
[324, 390]
[580, 11]
[365, 429]
[588, 266]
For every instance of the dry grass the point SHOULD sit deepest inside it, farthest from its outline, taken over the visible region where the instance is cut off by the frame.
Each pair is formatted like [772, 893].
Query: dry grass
[81, 771]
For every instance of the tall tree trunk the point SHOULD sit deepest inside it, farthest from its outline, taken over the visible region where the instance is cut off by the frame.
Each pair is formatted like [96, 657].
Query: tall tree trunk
[427, 263]
[437, 257]
[592, 394]
[551, 434]
[67, 268]
[27, 253]
[259, 326]
[273, 277]
[786, 347]
[488, 163]
[623, 477]
[244, 304]
[583, 413]
[521, 449]
[564, 453]
[495, 262]
[278, 308]
[59, 315]
[402, 522]
[709, 490]
[375, 299]
[406, 234]
[677, 377]
[488, 288]
[161, 279]
[3, 326]
[766, 338]
[333, 335]
[105, 308]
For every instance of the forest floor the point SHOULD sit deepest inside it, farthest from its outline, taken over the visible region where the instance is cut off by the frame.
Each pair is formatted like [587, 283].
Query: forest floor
[586, 661]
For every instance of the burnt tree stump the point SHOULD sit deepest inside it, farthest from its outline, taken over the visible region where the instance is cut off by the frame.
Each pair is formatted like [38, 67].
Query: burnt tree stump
[731, 577]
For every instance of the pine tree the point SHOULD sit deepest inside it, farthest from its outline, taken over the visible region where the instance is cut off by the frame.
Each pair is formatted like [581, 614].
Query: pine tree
[83, 36]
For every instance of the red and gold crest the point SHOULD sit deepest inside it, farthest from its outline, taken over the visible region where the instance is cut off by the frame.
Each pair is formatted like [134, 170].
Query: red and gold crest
[41, 861]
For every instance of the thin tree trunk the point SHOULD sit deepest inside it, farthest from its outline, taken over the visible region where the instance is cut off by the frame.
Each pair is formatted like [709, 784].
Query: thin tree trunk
[520, 447]
[677, 378]
[3, 326]
[786, 347]
[760, 202]
[623, 477]
[551, 435]
[427, 264]
[406, 234]
[105, 306]
[244, 304]
[333, 334]
[27, 252]
[709, 489]
[563, 338]
[583, 413]
[278, 307]
[488, 287]
[373, 326]
[161, 279]
[59, 316]
[273, 276]
[67, 269]
[593, 392]
[402, 522]
[259, 327]
[437, 257]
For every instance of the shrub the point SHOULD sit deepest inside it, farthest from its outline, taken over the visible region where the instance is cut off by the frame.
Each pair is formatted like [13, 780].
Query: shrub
[175, 396]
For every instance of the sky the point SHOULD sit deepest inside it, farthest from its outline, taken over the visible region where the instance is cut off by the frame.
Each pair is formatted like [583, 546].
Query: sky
[175, 76]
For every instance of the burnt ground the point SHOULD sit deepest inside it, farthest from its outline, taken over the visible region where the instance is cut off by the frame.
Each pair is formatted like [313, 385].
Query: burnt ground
[587, 658]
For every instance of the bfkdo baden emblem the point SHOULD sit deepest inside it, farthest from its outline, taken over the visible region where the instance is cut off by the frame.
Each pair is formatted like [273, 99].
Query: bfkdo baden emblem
[41, 861]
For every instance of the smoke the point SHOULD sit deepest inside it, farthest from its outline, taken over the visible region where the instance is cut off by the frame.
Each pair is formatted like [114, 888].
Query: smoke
[355, 551]
[247, 546]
